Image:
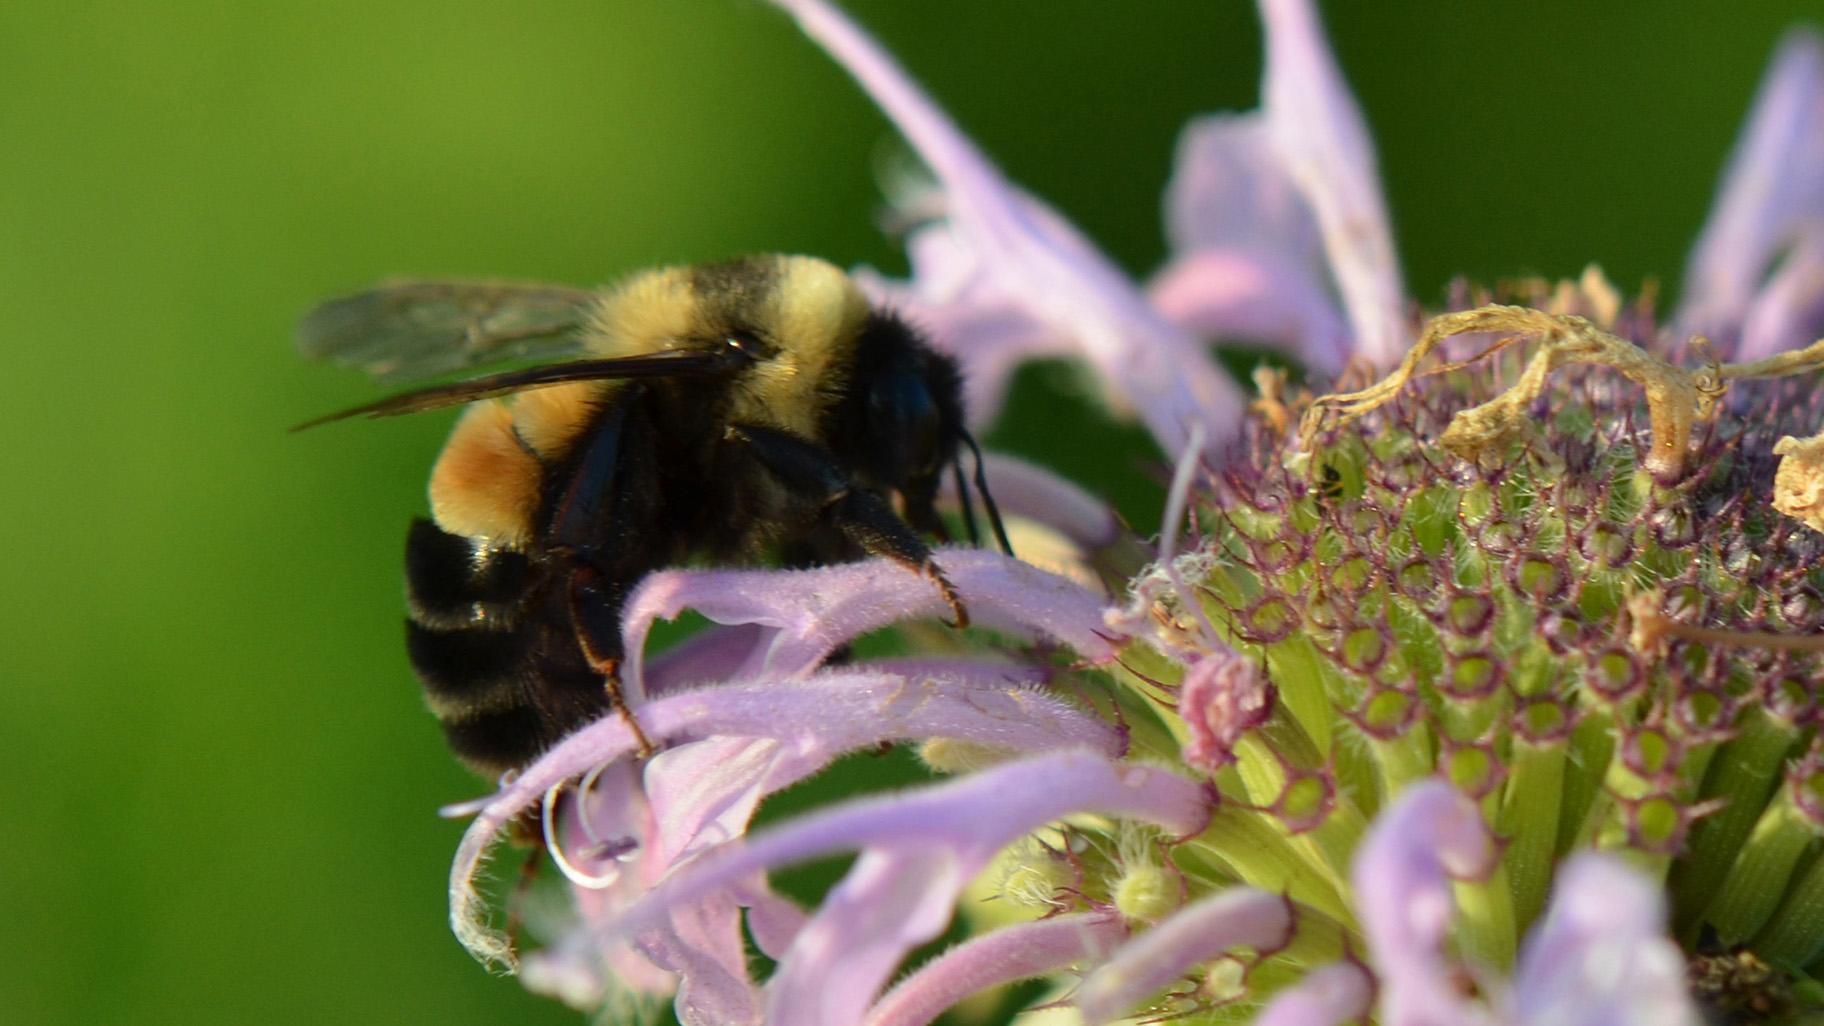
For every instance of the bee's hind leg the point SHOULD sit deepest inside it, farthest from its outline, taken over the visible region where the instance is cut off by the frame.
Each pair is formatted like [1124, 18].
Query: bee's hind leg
[595, 610]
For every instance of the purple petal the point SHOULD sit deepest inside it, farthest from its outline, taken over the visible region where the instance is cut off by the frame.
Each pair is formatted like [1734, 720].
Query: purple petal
[1601, 956]
[919, 849]
[792, 729]
[1774, 185]
[1235, 293]
[1402, 877]
[1031, 258]
[1231, 190]
[1247, 258]
[977, 815]
[1789, 310]
[705, 792]
[889, 903]
[1199, 932]
[702, 943]
[808, 613]
[706, 657]
[1323, 140]
[1330, 996]
[1011, 953]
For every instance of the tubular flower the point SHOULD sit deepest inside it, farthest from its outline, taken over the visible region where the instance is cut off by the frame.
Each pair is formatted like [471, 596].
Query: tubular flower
[1482, 687]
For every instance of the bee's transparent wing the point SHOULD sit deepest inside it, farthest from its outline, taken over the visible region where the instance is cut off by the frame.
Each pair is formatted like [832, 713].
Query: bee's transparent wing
[406, 331]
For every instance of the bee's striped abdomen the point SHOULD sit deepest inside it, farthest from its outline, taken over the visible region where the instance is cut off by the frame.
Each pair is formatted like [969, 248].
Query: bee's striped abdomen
[504, 677]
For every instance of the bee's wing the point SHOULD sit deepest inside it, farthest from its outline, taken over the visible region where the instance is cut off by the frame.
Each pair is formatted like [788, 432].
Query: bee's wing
[669, 363]
[407, 331]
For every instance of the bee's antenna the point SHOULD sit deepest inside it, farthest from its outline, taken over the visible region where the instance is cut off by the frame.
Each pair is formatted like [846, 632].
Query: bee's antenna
[981, 483]
[968, 504]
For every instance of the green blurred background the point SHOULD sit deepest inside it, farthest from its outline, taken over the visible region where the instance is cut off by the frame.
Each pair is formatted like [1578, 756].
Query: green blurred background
[220, 793]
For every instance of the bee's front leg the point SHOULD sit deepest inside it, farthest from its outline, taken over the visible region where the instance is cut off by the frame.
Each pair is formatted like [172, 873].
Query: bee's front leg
[812, 475]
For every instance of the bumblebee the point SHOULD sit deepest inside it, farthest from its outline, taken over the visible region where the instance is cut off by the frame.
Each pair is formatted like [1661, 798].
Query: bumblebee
[722, 413]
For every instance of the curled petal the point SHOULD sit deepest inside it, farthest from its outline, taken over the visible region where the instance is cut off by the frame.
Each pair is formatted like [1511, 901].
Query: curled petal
[574, 968]
[767, 735]
[919, 849]
[1195, 934]
[1012, 953]
[1330, 996]
[806, 614]
[1031, 259]
[1601, 956]
[1402, 876]
[1773, 186]
[1321, 136]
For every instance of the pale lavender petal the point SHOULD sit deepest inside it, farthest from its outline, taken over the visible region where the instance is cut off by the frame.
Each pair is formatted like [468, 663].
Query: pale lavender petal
[702, 943]
[706, 657]
[808, 613]
[1033, 257]
[572, 969]
[1247, 259]
[1195, 934]
[1029, 490]
[1601, 956]
[1012, 953]
[1230, 189]
[1789, 310]
[704, 793]
[1330, 996]
[1773, 185]
[1322, 138]
[1402, 877]
[774, 921]
[978, 814]
[815, 719]
[1256, 296]
[890, 902]
[920, 848]
[705, 946]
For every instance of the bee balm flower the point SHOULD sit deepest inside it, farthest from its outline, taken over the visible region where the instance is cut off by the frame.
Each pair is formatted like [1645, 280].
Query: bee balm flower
[1483, 689]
